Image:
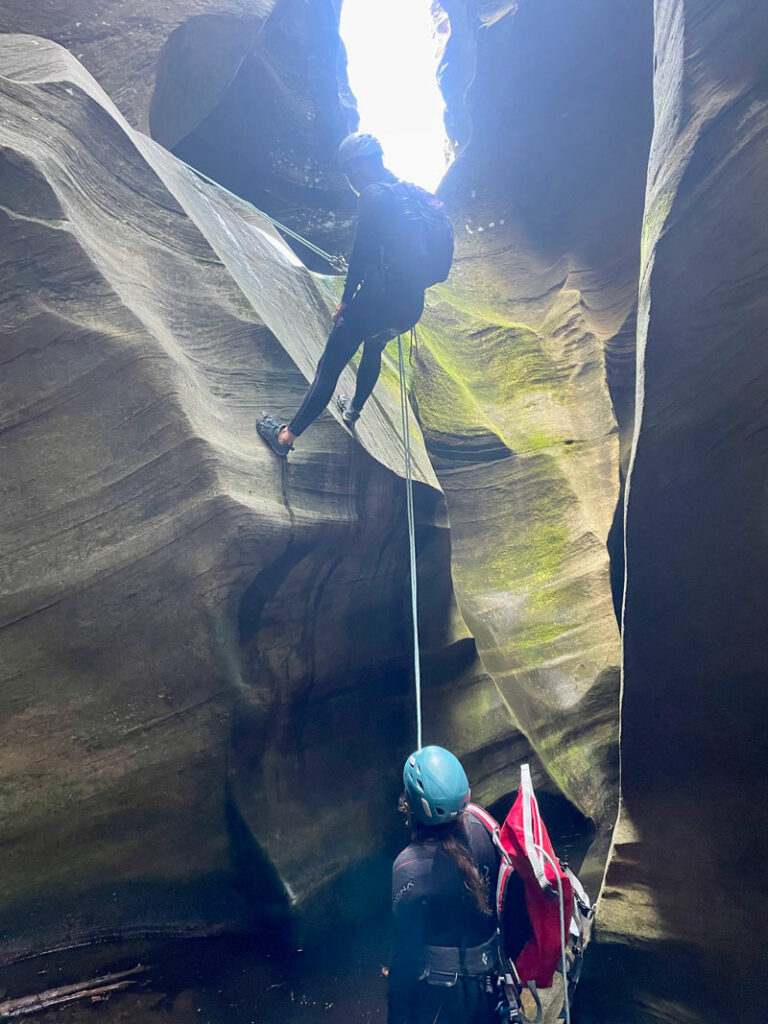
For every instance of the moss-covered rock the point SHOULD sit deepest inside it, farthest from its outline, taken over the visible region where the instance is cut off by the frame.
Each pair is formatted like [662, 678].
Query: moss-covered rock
[525, 375]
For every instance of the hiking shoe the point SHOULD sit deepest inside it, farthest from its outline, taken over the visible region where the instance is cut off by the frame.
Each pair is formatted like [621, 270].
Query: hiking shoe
[348, 413]
[268, 429]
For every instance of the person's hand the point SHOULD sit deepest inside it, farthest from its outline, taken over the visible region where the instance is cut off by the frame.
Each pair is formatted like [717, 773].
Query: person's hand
[384, 972]
[337, 313]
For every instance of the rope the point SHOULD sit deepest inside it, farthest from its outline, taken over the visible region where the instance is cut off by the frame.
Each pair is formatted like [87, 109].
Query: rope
[411, 532]
[337, 262]
[566, 1002]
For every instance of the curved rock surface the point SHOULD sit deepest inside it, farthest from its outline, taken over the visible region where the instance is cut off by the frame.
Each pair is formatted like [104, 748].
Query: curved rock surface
[122, 45]
[252, 92]
[681, 922]
[189, 625]
[527, 356]
[188, 315]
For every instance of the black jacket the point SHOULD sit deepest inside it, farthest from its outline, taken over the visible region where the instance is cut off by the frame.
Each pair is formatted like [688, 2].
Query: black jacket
[432, 907]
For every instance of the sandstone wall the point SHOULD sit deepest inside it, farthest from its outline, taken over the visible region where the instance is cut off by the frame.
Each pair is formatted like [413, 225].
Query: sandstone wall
[224, 631]
[253, 92]
[680, 925]
[188, 625]
[526, 371]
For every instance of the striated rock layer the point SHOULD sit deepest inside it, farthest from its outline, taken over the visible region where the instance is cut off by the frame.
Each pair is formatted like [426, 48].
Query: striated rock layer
[204, 682]
[681, 923]
[526, 356]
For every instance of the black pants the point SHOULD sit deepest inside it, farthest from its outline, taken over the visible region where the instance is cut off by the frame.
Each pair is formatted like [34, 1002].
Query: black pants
[466, 1002]
[374, 310]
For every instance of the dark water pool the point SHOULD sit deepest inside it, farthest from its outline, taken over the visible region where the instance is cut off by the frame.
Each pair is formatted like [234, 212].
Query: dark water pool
[226, 980]
[251, 980]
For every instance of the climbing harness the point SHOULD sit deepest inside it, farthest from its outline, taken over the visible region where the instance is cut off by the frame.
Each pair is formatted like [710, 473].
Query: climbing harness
[337, 262]
[411, 528]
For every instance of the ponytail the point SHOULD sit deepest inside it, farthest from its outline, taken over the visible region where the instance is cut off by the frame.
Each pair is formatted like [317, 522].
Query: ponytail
[452, 839]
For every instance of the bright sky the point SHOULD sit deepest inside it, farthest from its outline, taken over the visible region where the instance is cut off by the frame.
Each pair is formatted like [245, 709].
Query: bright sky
[392, 67]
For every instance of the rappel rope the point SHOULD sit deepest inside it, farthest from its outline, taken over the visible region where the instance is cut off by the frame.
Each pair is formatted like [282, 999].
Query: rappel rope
[566, 1001]
[337, 262]
[411, 530]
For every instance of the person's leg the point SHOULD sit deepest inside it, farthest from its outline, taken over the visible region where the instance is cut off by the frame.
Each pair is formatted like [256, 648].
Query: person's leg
[367, 373]
[394, 312]
[369, 313]
[342, 344]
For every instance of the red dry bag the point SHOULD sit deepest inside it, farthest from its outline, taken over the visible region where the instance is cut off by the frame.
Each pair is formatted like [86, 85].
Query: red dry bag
[521, 836]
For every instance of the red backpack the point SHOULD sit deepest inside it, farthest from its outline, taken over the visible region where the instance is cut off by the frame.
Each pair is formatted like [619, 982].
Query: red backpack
[529, 914]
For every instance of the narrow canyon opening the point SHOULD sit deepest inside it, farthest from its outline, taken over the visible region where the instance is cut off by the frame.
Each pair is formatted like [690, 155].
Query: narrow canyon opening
[393, 50]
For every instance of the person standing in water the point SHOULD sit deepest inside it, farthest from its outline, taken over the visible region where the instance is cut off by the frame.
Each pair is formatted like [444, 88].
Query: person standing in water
[402, 236]
[445, 946]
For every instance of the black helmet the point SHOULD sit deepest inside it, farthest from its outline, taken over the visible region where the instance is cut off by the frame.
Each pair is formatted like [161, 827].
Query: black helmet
[358, 144]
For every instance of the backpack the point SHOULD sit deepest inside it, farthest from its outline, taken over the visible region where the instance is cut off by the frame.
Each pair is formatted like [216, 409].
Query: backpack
[528, 915]
[422, 242]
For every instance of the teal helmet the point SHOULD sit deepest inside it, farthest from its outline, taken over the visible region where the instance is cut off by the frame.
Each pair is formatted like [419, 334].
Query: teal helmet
[358, 144]
[436, 786]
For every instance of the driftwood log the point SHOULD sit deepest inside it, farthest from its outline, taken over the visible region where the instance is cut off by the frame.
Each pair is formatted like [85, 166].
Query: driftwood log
[93, 988]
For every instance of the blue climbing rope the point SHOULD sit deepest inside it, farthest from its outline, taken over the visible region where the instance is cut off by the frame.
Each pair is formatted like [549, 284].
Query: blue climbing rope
[411, 531]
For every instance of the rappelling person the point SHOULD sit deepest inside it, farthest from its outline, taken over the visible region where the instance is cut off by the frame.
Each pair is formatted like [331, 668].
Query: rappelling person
[445, 961]
[403, 244]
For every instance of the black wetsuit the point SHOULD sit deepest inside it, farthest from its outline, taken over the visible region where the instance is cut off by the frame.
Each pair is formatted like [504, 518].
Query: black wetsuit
[381, 301]
[432, 907]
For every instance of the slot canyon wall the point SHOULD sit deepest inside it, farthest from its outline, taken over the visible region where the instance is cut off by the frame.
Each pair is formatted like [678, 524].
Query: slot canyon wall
[187, 626]
[252, 92]
[682, 910]
[527, 356]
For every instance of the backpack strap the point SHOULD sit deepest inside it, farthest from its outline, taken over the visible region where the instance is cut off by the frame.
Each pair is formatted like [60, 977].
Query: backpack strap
[487, 819]
[505, 868]
[580, 893]
[493, 830]
[531, 986]
[513, 990]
